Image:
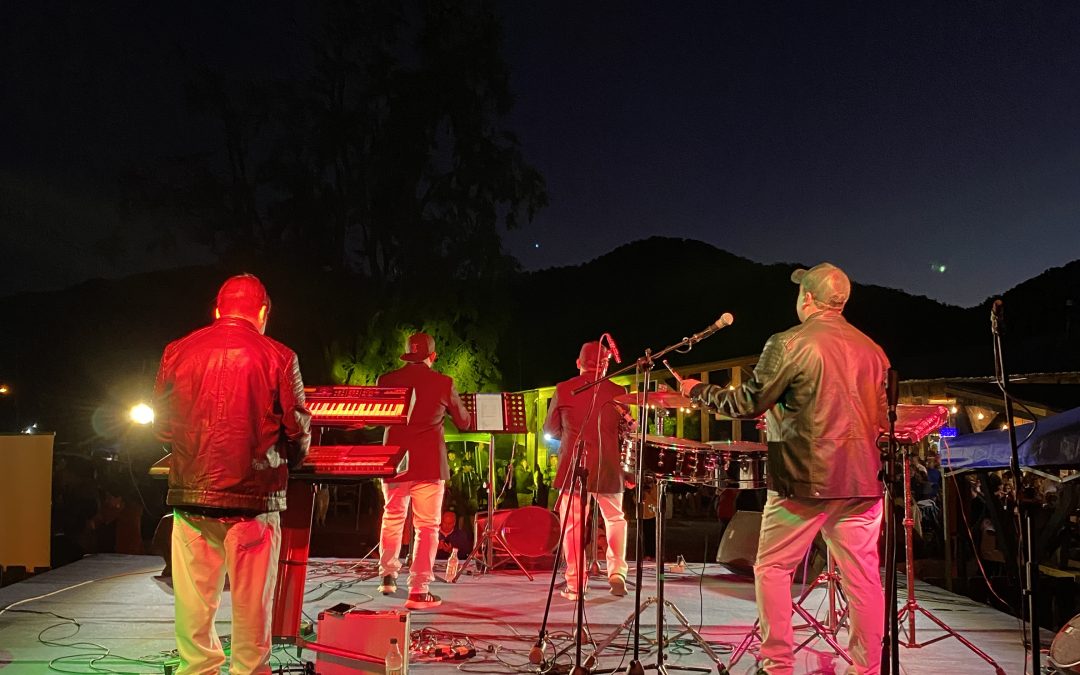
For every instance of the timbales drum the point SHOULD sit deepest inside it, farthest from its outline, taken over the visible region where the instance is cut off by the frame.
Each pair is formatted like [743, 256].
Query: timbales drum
[673, 459]
[739, 464]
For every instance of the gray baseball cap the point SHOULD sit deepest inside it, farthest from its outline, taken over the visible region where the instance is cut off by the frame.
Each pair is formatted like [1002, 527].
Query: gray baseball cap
[826, 282]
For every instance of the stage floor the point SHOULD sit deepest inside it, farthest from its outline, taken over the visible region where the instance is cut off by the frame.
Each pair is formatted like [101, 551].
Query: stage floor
[124, 620]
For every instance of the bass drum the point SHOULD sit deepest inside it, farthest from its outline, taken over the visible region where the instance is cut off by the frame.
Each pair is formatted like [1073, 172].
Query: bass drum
[528, 532]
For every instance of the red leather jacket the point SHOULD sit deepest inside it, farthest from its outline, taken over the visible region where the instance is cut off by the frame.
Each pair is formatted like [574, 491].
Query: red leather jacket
[230, 407]
[823, 385]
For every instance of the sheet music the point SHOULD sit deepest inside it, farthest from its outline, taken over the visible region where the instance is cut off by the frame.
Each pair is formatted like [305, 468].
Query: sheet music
[489, 412]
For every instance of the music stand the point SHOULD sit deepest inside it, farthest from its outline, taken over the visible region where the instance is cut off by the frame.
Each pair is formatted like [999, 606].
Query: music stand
[497, 413]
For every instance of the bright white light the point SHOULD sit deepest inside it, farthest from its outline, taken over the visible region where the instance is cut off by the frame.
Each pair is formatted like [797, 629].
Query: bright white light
[954, 410]
[980, 416]
[548, 437]
[142, 414]
[30, 429]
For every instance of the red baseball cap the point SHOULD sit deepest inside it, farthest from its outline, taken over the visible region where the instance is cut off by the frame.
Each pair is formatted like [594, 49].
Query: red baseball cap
[419, 347]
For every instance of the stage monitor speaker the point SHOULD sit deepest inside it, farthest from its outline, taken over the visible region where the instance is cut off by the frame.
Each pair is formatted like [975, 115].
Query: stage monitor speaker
[363, 631]
[1065, 649]
[738, 544]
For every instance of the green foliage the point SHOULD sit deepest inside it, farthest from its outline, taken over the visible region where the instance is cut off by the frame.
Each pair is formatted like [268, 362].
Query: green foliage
[466, 342]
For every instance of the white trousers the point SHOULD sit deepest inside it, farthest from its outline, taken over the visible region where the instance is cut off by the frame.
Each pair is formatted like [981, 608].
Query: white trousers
[851, 528]
[615, 529]
[203, 550]
[426, 497]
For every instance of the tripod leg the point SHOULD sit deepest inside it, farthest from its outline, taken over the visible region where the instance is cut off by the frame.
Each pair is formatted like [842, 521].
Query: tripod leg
[687, 628]
[601, 646]
[744, 646]
[476, 554]
[823, 633]
[506, 547]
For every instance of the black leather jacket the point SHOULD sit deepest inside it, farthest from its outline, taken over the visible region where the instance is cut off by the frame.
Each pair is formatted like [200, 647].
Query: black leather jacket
[823, 385]
[230, 403]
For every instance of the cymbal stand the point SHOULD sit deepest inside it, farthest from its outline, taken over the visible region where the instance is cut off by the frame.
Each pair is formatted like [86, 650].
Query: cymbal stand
[912, 605]
[661, 604]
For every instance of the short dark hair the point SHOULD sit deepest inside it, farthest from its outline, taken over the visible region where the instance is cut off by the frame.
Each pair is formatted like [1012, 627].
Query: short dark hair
[242, 294]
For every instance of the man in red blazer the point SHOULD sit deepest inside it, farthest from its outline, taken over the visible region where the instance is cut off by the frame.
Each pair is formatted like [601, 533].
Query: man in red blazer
[590, 421]
[425, 480]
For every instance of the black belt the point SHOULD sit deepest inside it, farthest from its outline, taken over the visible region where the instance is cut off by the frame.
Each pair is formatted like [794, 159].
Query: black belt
[220, 512]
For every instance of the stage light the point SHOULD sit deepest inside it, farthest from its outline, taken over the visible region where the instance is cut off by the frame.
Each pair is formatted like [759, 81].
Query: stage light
[1004, 427]
[141, 414]
[954, 410]
[4, 390]
[548, 437]
[30, 429]
[980, 416]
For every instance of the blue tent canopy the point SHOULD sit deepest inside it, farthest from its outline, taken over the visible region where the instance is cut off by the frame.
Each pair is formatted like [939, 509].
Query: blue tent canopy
[1055, 443]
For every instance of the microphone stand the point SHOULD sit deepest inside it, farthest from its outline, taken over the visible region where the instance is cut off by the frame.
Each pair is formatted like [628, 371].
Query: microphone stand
[536, 654]
[645, 365]
[1029, 572]
[890, 644]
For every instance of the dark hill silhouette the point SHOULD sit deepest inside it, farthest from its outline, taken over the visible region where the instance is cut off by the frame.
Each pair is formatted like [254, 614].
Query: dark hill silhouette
[687, 285]
[99, 342]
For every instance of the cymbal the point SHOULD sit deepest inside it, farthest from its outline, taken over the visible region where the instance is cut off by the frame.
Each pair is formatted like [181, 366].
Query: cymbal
[656, 399]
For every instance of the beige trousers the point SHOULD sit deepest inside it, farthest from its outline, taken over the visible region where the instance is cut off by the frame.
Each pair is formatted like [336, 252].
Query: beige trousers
[426, 497]
[614, 526]
[851, 528]
[203, 550]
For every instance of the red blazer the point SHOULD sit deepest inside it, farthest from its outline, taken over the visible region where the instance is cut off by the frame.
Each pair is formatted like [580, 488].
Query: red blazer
[572, 416]
[423, 435]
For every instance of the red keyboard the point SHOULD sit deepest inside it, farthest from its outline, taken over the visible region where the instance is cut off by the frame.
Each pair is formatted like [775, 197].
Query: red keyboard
[346, 405]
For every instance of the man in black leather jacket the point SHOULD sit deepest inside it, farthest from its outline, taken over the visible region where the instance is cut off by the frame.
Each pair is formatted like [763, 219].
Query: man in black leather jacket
[822, 387]
[230, 406]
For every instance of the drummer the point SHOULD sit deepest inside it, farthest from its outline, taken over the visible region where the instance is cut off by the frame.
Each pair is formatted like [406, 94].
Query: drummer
[588, 424]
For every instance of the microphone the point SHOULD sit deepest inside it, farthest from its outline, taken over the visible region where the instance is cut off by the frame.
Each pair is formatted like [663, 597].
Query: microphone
[725, 320]
[997, 317]
[612, 346]
[892, 388]
[536, 655]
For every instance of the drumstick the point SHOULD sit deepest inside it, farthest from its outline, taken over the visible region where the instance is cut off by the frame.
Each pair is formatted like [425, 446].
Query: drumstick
[676, 375]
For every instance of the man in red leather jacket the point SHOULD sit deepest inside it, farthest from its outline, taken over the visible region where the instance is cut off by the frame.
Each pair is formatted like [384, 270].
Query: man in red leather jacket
[230, 406]
[425, 480]
[589, 422]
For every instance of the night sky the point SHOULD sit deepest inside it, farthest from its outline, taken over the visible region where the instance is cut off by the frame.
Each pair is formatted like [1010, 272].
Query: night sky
[896, 140]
